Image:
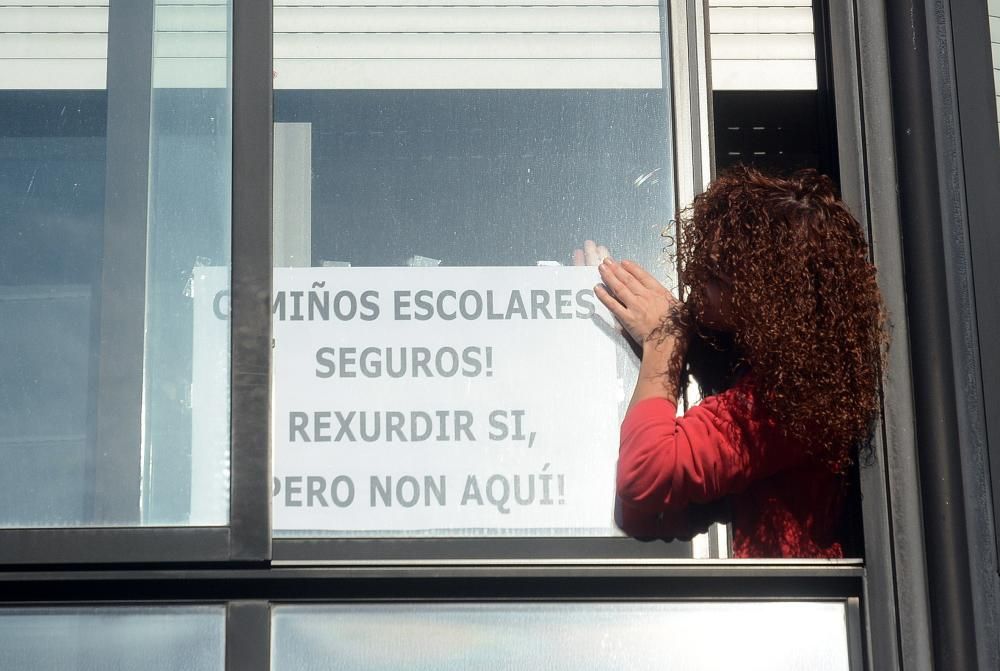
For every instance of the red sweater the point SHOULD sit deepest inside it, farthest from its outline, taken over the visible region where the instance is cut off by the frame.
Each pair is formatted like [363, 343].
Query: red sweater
[783, 504]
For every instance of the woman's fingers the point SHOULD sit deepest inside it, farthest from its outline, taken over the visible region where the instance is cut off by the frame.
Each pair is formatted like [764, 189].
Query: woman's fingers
[602, 253]
[625, 277]
[640, 307]
[642, 275]
[611, 278]
[578, 258]
[610, 302]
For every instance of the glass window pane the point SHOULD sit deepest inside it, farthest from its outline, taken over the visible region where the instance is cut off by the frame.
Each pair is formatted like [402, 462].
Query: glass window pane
[439, 367]
[570, 636]
[115, 201]
[123, 638]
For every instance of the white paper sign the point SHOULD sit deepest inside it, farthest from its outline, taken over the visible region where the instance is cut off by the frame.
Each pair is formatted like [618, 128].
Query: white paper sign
[442, 401]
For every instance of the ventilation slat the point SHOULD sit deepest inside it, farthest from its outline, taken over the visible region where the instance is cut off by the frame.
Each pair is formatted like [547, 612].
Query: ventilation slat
[466, 45]
[58, 3]
[53, 73]
[761, 20]
[426, 3]
[53, 19]
[53, 45]
[467, 74]
[467, 3]
[466, 19]
[763, 75]
[760, 3]
[799, 46]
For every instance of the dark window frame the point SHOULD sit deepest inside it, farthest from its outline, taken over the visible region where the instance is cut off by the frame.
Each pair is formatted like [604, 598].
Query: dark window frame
[249, 595]
[965, 588]
[977, 116]
[120, 380]
[856, 68]
[502, 548]
[247, 536]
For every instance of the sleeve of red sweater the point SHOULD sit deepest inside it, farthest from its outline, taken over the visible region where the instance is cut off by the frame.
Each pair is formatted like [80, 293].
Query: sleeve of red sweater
[716, 448]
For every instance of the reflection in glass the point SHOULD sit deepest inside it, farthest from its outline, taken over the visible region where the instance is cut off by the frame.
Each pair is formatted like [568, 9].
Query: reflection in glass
[186, 372]
[114, 190]
[128, 639]
[480, 178]
[558, 637]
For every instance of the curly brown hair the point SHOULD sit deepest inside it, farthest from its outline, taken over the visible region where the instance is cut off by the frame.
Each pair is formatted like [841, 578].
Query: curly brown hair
[804, 311]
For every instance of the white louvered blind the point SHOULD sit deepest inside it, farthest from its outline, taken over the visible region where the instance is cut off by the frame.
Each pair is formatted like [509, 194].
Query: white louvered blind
[352, 44]
[53, 44]
[63, 44]
[994, 11]
[467, 44]
[762, 45]
[191, 44]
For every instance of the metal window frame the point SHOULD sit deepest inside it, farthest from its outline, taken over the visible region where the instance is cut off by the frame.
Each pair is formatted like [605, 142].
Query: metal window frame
[250, 437]
[916, 600]
[684, 57]
[906, 162]
[122, 298]
[250, 595]
[630, 581]
[896, 610]
[247, 537]
[248, 635]
[977, 117]
[962, 505]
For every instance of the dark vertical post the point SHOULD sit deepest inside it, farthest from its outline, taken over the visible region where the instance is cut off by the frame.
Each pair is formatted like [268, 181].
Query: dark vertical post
[895, 604]
[918, 123]
[250, 507]
[248, 636]
[973, 167]
[123, 278]
[977, 106]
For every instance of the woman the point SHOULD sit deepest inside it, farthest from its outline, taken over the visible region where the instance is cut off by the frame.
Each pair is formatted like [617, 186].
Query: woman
[783, 329]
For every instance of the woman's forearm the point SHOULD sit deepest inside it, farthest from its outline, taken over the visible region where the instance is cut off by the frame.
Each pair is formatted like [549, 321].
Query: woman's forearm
[660, 370]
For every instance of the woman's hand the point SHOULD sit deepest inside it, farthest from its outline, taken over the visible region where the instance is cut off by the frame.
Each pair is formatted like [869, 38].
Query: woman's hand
[641, 304]
[649, 313]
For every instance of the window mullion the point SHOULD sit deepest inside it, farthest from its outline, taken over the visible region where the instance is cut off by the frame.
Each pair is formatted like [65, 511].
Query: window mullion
[251, 282]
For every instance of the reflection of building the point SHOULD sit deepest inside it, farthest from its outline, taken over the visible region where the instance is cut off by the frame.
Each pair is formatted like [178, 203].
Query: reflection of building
[137, 146]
